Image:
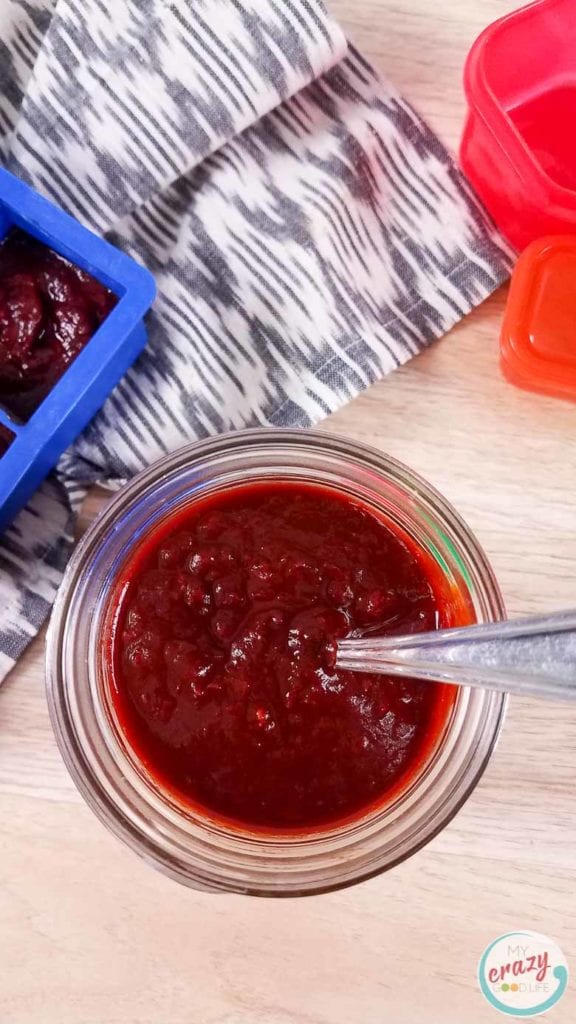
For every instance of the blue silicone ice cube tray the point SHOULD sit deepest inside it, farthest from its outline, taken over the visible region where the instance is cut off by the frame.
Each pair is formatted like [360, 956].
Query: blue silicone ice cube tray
[36, 445]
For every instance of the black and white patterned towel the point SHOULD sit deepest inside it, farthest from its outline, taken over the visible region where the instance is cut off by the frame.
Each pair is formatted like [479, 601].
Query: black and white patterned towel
[308, 232]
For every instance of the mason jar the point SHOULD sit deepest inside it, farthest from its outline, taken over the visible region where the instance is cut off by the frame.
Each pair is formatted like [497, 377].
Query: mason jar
[182, 841]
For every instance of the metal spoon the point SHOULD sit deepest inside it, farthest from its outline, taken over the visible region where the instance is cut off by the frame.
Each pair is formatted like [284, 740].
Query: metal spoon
[534, 656]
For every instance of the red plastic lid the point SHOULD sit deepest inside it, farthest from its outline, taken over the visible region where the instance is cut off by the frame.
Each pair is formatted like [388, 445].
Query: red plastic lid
[538, 341]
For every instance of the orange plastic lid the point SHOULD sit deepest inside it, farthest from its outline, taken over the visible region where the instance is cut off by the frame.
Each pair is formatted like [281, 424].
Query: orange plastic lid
[538, 340]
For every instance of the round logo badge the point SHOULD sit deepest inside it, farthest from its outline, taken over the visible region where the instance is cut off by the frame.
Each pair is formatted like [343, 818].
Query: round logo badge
[523, 974]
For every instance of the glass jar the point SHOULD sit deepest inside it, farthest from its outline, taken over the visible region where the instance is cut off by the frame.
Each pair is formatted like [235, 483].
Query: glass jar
[180, 841]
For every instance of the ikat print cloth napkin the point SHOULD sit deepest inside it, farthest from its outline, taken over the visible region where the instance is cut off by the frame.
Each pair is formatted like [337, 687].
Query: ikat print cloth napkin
[307, 230]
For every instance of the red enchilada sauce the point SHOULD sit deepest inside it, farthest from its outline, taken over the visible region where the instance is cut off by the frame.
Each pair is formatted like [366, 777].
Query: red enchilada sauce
[221, 656]
[49, 310]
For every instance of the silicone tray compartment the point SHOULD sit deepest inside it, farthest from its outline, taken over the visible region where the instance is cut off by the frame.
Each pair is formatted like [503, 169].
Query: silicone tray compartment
[519, 144]
[29, 451]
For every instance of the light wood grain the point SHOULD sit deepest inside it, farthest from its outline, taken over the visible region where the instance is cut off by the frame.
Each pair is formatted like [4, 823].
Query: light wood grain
[89, 935]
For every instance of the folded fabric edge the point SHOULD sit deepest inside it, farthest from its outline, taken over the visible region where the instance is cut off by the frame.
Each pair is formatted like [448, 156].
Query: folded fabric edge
[34, 552]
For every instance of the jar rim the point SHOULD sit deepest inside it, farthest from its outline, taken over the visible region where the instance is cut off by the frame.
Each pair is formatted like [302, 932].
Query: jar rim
[199, 852]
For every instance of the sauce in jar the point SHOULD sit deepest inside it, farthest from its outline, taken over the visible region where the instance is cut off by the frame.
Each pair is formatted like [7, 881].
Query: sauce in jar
[220, 649]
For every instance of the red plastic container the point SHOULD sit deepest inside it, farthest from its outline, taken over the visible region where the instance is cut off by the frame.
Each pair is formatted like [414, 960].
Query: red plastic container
[519, 143]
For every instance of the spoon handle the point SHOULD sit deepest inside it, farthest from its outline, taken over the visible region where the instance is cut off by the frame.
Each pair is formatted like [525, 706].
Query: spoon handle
[534, 656]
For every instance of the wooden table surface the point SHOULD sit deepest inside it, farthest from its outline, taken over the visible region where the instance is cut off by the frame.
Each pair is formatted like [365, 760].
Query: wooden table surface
[91, 935]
